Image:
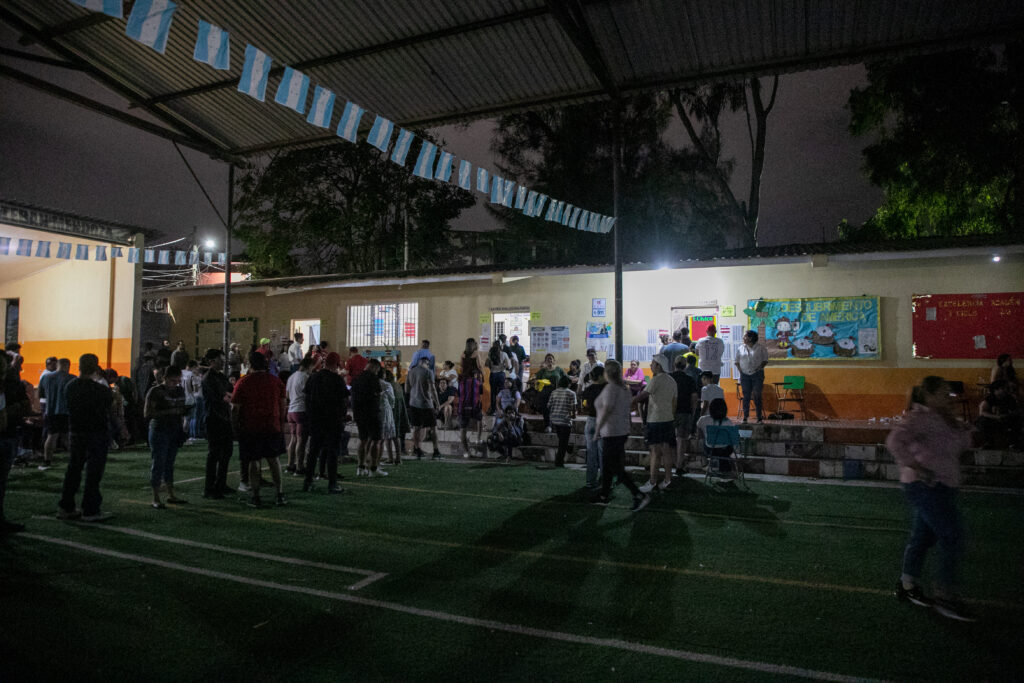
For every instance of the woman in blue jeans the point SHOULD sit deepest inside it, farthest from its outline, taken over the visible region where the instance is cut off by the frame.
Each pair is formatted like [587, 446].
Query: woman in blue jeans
[165, 406]
[751, 358]
[927, 446]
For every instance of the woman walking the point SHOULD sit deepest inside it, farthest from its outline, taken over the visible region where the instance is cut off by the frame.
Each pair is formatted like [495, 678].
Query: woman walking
[751, 358]
[165, 406]
[613, 426]
[498, 364]
[927, 446]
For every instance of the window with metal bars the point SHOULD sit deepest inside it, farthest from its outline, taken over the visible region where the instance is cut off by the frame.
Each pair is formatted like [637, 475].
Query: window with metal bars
[383, 325]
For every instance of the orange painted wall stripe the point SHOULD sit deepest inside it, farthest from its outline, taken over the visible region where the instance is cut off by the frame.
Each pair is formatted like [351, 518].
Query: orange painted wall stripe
[36, 353]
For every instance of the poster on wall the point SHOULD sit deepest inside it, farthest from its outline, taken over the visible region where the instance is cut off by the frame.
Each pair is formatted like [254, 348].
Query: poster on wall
[699, 325]
[821, 328]
[539, 339]
[967, 325]
[558, 336]
[599, 331]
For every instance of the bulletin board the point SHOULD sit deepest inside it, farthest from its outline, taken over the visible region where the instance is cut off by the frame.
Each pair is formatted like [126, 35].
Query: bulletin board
[967, 325]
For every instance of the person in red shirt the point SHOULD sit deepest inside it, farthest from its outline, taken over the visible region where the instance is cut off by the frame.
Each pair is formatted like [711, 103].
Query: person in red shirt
[355, 363]
[259, 406]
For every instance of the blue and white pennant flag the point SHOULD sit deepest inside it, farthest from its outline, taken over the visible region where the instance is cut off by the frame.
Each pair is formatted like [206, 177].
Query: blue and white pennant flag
[574, 217]
[149, 256]
[115, 252]
[501, 191]
[133, 255]
[444, 166]
[42, 249]
[64, 250]
[82, 252]
[322, 109]
[380, 133]
[163, 257]
[348, 127]
[402, 145]
[111, 7]
[255, 72]
[101, 252]
[5, 246]
[424, 167]
[482, 184]
[465, 174]
[292, 90]
[212, 46]
[150, 22]
[180, 258]
[520, 197]
[24, 247]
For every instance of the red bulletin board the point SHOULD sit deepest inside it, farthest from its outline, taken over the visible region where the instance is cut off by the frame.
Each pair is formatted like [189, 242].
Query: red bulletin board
[968, 325]
[699, 325]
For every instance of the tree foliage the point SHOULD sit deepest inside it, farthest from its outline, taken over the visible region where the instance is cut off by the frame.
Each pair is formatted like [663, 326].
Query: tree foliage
[948, 149]
[673, 199]
[340, 209]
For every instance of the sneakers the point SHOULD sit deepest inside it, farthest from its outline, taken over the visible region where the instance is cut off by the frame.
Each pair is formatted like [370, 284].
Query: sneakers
[335, 489]
[436, 455]
[243, 487]
[418, 452]
[362, 472]
[647, 488]
[954, 609]
[97, 517]
[663, 485]
[640, 502]
[280, 500]
[255, 502]
[913, 595]
[378, 473]
[68, 516]
[45, 466]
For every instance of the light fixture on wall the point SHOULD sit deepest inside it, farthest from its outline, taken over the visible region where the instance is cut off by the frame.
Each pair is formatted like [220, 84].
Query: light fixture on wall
[210, 244]
[997, 258]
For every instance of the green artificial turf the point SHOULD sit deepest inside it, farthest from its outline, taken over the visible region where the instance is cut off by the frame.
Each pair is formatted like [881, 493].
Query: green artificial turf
[792, 574]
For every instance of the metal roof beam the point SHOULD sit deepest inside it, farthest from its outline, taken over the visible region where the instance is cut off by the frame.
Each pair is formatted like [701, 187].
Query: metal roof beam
[40, 59]
[359, 52]
[63, 29]
[573, 19]
[100, 108]
[185, 127]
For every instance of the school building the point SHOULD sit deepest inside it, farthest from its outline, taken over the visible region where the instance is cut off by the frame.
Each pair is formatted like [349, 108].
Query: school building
[840, 315]
[64, 290]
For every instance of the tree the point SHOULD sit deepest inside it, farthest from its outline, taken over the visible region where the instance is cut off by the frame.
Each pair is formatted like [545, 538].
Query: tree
[949, 151]
[674, 201]
[343, 208]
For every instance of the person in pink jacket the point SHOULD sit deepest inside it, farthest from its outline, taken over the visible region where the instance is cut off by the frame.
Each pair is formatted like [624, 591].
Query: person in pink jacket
[927, 445]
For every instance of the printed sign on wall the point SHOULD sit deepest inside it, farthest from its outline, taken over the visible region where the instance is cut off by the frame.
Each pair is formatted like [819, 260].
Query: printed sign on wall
[826, 328]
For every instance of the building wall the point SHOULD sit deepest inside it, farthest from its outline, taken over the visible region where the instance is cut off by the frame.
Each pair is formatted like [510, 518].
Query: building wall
[449, 313]
[70, 307]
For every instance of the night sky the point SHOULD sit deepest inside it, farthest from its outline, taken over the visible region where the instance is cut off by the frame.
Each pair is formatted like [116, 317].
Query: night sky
[58, 155]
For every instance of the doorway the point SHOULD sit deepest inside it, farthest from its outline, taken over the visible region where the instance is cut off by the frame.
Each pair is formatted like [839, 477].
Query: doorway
[310, 330]
[513, 324]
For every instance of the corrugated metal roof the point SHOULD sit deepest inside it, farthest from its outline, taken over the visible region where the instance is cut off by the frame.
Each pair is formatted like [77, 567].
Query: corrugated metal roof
[436, 61]
[933, 247]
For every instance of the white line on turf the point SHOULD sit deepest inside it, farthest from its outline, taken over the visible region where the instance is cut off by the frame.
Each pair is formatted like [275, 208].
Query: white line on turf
[180, 481]
[370, 575]
[625, 645]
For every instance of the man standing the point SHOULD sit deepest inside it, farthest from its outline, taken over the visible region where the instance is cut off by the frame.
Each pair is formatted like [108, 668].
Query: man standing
[258, 408]
[588, 367]
[366, 391]
[355, 364]
[14, 407]
[90, 402]
[298, 415]
[295, 352]
[326, 403]
[660, 430]
[179, 358]
[217, 397]
[423, 406]
[54, 387]
[687, 398]
[423, 352]
[676, 348]
[520, 353]
[710, 350]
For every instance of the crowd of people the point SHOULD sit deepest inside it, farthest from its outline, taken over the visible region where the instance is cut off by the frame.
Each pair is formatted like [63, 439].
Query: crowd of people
[298, 403]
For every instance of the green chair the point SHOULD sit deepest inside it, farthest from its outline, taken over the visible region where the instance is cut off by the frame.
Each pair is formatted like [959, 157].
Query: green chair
[789, 393]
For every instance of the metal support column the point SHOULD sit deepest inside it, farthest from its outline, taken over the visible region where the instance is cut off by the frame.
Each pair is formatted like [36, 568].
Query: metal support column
[227, 258]
[616, 154]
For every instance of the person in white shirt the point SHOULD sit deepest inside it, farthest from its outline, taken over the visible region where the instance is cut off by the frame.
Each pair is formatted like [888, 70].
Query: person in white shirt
[298, 417]
[660, 430]
[709, 391]
[613, 426]
[295, 352]
[710, 350]
[588, 367]
[750, 360]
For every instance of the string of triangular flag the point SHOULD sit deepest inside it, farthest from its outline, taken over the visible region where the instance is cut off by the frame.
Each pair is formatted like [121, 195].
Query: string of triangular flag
[100, 252]
[150, 23]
